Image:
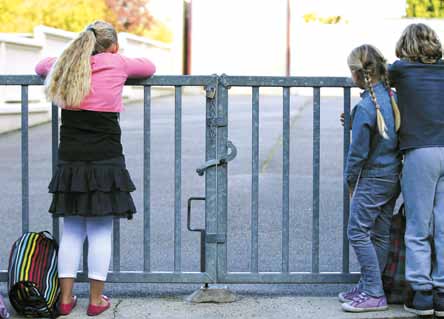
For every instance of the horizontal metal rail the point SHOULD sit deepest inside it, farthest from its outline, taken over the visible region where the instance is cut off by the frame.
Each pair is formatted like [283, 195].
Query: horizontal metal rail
[278, 81]
[158, 80]
[192, 80]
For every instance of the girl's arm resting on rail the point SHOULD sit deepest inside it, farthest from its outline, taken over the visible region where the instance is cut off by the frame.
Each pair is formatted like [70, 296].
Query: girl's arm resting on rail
[43, 67]
[138, 67]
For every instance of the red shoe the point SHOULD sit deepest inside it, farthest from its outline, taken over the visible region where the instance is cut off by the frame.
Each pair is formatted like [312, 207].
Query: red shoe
[97, 310]
[66, 308]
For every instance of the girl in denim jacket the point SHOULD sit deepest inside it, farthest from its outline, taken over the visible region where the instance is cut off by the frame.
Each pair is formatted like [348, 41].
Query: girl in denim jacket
[372, 172]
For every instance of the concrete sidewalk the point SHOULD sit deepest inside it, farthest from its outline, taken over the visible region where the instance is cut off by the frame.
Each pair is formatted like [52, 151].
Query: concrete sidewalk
[246, 307]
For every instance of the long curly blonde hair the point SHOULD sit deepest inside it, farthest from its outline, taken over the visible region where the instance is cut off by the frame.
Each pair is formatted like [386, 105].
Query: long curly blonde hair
[369, 65]
[69, 80]
[419, 43]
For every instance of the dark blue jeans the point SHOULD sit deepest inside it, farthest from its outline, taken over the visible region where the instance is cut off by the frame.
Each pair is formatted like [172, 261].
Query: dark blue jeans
[369, 228]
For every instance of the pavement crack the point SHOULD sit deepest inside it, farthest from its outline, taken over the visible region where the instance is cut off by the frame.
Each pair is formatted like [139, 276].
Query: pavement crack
[279, 141]
[115, 310]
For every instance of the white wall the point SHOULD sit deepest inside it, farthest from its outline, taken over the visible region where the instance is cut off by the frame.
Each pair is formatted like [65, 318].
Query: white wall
[238, 37]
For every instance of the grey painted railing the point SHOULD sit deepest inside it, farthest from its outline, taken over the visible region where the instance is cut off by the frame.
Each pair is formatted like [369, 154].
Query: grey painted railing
[214, 264]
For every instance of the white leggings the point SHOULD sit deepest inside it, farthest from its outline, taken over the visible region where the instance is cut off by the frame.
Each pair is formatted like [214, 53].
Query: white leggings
[75, 229]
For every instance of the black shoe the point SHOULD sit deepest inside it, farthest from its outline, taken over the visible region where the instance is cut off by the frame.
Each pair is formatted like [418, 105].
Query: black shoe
[438, 304]
[422, 303]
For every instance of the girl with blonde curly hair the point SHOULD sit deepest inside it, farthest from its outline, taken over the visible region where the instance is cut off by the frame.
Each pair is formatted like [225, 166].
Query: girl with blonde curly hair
[91, 185]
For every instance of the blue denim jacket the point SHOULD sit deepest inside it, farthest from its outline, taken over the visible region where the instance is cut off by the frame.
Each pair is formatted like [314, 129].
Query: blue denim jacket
[371, 155]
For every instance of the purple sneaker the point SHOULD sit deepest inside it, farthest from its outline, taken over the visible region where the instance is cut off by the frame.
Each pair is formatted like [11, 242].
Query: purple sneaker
[365, 303]
[348, 295]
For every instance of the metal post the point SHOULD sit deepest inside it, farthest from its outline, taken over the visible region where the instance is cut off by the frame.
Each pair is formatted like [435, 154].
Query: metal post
[211, 190]
[316, 176]
[286, 181]
[177, 178]
[288, 35]
[346, 198]
[255, 181]
[146, 178]
[55, 155]
[25, 160]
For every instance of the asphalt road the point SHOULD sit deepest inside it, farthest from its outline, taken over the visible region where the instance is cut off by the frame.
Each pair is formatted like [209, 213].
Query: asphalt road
[193, 146]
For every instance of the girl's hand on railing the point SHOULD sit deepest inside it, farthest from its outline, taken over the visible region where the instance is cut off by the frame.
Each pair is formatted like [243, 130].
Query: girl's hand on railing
[342, 119]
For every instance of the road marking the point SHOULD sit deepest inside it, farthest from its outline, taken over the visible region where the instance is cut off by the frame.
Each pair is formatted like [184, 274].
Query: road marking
[279, 140]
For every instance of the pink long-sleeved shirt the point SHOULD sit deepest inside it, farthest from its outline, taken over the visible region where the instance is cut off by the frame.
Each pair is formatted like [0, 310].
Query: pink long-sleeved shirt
[109, 73]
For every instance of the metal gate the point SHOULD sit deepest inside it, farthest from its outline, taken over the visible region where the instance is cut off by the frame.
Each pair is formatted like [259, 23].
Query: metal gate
[219, 151]
[284, 276]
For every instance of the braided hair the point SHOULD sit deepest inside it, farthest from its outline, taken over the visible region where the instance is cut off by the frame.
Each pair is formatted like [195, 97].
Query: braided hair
[368, 64]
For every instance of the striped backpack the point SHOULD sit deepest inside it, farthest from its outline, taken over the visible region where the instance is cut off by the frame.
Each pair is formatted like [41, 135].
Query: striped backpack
[33, 282]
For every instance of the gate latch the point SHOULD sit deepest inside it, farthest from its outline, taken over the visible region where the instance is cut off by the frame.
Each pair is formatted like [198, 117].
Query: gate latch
[214, 162]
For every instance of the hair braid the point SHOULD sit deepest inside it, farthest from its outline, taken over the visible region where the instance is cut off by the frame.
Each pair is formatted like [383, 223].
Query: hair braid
[395, 108]
[382, 128]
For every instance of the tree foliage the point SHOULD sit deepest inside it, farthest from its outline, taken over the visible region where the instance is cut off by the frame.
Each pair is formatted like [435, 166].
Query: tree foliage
[313, 17]
[130, 15]
[73, 15]
[425, 8]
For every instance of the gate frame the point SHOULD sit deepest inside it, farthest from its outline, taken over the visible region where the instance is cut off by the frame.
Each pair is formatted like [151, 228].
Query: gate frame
[285, 276]
[216, 179]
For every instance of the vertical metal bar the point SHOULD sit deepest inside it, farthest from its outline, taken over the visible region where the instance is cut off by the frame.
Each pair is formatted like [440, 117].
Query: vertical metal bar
[316, 176]
[286, 180]
[255, 180]
[222, 178]
[146, 178]
[210, 184]
[54, 150]
[25, 160]
[85, 256]
[346, 198]
[177, 180]
[116, 244]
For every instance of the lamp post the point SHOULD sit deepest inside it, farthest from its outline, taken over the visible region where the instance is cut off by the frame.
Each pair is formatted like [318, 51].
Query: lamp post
[288, 51]
[187, 37]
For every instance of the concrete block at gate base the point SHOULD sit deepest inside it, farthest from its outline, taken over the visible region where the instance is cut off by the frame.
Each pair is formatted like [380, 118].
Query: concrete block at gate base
[212, 295]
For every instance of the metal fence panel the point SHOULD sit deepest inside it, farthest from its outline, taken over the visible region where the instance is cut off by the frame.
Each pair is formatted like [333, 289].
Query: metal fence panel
[285, 276]
[218, 152]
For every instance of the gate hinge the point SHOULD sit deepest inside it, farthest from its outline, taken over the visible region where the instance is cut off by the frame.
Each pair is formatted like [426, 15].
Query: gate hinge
[215, 238]
[216, 122]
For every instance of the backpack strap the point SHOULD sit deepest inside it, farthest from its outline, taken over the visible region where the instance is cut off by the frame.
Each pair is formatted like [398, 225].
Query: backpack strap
[47, 234]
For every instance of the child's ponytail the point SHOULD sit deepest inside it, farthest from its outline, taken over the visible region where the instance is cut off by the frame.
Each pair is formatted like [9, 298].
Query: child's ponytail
[69, 81]
[382, 128]
[70, 78]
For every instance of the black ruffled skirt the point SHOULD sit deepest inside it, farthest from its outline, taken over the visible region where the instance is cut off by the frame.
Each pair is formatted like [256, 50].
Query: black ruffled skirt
[92, 189]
